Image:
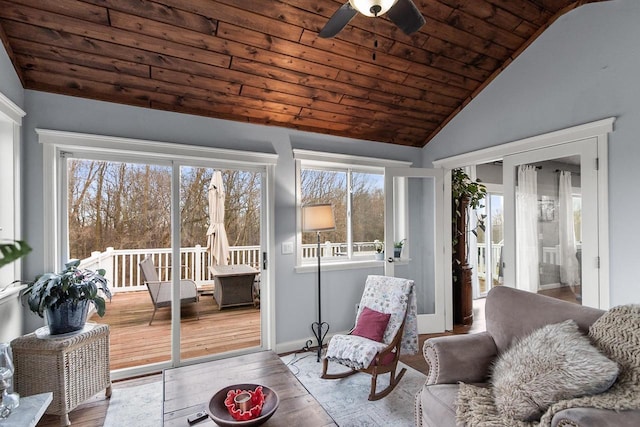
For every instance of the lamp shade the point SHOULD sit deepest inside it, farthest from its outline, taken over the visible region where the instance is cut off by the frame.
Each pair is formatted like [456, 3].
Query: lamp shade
[318, 218]
[368, 7]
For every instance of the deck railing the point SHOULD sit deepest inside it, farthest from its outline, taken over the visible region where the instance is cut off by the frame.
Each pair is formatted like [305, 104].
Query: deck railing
[123, 271]
[550, 255]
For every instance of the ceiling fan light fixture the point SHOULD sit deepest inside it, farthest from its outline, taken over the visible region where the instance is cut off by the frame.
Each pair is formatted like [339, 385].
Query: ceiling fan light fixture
[372, 8]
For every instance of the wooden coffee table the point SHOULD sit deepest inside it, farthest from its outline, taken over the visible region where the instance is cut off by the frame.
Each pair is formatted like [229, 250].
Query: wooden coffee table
[188, 389]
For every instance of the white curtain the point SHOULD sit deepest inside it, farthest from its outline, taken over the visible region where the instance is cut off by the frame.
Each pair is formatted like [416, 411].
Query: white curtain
[527, 253]
[569, 267]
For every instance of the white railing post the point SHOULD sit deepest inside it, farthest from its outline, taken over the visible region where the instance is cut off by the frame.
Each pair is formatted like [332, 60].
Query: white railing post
[107, 264]
[198, 264]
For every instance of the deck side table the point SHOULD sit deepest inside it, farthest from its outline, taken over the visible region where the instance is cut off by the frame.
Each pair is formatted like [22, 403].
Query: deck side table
[233, 284]
[74, 368]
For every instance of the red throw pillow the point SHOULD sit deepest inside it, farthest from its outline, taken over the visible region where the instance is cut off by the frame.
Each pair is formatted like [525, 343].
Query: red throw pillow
[371, 324]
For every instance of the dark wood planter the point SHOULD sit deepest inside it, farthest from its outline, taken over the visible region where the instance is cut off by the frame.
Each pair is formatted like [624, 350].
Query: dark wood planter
[462, 272]
[462, 295]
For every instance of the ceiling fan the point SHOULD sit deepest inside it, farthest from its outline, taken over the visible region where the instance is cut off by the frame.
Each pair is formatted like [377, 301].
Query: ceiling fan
[403, 13]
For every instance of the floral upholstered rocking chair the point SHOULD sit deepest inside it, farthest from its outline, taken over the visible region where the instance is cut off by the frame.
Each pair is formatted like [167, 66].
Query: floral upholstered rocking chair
[386, 324]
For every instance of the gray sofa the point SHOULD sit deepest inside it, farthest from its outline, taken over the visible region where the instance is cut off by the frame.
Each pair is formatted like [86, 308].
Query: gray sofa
[510, 314]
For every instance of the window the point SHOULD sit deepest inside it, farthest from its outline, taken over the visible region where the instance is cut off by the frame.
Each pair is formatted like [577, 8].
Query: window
[358, 205]
[355, 188]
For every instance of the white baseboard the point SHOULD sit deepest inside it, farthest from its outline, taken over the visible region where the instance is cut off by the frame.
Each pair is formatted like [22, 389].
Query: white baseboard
[550, 286]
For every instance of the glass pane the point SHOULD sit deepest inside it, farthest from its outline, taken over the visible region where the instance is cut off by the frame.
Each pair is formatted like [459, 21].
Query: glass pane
[367, 212]
[483, 248]
[320, 186]
[219, 230]
[548, 235]
[416, 227]
[117, 214]
[497, 238]
[490, 247]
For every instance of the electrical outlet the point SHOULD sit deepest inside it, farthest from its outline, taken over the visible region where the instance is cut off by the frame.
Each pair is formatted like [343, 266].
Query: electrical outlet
[287, 248]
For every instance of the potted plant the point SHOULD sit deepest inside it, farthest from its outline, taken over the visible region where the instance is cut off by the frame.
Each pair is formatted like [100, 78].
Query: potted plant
[378, 246]
[397, 248]
[65, 296]
[465, 194]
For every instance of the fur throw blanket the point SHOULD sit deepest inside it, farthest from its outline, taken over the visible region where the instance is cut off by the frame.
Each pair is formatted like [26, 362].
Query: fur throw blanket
[616, 334]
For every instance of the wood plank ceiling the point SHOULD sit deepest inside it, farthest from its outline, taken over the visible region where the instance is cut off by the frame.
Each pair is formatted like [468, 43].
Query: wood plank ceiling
[261, 61]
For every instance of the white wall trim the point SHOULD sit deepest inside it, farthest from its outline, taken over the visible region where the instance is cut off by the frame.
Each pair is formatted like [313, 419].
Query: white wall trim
[11, 110]
[330, 159]
[603, 219]
[158, 149]
[562, 136]
[11, 139]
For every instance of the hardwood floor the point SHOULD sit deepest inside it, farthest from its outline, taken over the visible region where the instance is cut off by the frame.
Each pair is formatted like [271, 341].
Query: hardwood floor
[134, 342]
[93, 412]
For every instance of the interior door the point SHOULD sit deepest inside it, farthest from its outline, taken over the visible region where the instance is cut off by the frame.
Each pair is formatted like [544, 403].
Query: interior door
[548, 247]
[414, 216]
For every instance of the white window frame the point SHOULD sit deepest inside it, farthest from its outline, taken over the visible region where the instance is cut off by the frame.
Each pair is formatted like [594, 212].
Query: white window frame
[334, 162]
[11, 115]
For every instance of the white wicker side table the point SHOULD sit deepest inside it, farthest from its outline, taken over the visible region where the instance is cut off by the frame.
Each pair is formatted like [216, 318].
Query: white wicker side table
[73, 368]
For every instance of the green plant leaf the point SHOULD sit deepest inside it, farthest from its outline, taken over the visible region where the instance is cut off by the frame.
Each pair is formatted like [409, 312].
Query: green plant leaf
[12, 251]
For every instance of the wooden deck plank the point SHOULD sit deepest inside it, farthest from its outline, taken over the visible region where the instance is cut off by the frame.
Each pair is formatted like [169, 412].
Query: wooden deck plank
[134, 342]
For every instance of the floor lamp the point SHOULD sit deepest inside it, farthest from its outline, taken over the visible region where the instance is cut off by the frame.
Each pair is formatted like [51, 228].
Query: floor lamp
[318, 218]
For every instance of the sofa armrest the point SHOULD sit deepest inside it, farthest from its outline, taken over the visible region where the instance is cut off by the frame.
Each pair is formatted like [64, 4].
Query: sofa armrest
[456, 358]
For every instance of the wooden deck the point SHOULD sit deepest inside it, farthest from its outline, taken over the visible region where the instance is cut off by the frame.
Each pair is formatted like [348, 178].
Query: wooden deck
[134, 342]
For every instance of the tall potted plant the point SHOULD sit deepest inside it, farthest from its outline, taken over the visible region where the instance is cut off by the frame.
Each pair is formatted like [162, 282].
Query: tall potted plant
[65, 296]
[465, 194]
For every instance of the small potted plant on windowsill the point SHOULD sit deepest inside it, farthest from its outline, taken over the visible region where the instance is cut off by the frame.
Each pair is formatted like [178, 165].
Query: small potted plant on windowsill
[397, 248]
[379, 248]
[65, 296]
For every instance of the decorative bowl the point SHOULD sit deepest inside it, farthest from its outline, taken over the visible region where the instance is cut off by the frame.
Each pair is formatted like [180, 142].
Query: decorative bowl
[220, 415]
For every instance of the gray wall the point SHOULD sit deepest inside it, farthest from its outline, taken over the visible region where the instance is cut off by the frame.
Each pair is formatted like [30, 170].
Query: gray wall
[583, 68]
[295, 293]
[10, 85]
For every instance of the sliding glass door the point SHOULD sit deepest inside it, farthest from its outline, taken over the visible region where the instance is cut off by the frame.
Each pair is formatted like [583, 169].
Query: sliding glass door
[180, 296]
[221, 252]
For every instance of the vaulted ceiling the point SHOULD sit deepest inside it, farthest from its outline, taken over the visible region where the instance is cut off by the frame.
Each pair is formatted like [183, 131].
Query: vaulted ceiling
[261, 61]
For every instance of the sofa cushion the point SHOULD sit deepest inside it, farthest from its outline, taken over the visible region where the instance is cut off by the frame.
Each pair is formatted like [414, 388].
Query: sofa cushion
[512, 314]
[438, 404]
[554, 363]
[371, 324]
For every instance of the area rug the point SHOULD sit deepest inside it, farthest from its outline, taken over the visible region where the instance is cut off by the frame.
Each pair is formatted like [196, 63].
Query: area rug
[139, 406]
[346, 399]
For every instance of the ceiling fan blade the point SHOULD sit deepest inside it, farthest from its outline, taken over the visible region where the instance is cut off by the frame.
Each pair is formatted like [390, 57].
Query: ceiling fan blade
[406, 16]
[338, 21]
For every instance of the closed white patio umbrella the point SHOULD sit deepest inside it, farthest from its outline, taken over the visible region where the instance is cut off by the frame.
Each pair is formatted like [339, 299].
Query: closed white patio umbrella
[217, 242]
